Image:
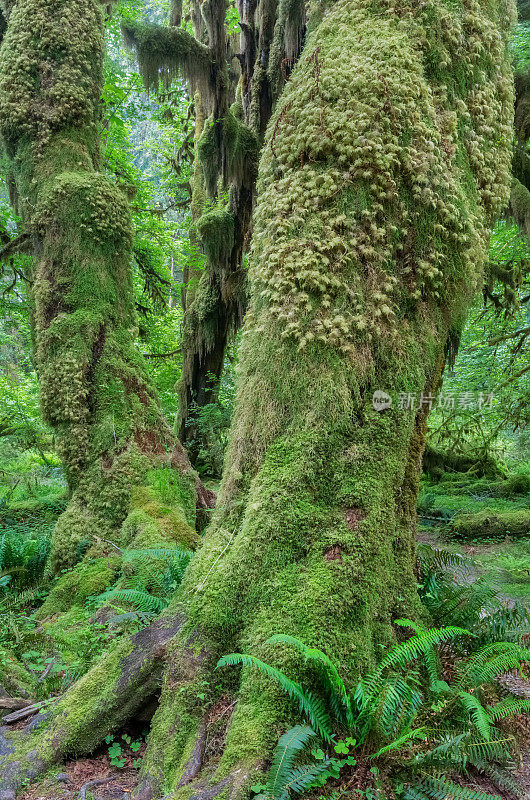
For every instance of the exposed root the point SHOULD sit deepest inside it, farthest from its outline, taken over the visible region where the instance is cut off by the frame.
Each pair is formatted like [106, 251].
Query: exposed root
[194, 763]
[107, 697]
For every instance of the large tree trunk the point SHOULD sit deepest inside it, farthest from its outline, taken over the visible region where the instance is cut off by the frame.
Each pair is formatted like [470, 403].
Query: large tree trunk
[95, 392]
[386, 161]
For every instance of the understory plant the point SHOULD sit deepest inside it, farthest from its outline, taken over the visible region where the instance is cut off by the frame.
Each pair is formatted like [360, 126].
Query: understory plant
[429, 717]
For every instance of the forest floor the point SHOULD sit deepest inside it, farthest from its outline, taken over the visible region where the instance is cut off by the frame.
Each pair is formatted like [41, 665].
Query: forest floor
[503, 559]
[446, 508]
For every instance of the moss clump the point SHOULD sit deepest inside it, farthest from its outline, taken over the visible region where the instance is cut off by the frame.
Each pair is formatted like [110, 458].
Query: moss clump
[216, 231]
[73, 589]
[492, 524]
[441, 147]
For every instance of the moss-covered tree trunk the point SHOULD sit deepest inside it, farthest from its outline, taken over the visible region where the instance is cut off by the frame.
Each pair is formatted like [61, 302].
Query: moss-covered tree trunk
[384, 165]
[95, 392]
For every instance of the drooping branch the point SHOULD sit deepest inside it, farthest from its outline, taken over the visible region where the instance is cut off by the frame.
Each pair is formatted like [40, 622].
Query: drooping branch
[168, 53]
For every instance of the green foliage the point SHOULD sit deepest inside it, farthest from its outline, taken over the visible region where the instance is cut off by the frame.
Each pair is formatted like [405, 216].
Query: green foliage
[284, 777]
[389, 716]
[310, 706]
[142, 601]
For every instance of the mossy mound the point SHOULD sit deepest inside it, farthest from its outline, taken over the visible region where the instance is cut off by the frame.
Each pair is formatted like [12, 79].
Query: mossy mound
[491, 524]
[41, 509]
[516, 484]
[88, 579]
[436, 462]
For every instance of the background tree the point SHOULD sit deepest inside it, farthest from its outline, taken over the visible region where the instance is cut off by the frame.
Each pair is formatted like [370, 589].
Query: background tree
[227, 143]
[95, 392]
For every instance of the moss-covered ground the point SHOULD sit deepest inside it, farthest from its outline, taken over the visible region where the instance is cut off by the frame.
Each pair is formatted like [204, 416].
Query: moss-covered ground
[485, 519]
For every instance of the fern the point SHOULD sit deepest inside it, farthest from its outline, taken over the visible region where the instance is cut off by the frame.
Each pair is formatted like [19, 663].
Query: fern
[282, 775]
[397, 744]
[431, 661]
[333, 683]
[439, 788]
[401, 655]
[501, 778]
[489, 662]
[147, 554]
[508, 707]
[143, 601]
[477, 713]
[310, 706]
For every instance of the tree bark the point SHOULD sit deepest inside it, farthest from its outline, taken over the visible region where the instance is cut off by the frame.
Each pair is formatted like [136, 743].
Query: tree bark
[383, 166]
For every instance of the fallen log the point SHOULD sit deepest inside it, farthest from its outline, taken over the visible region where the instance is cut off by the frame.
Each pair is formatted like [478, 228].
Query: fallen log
[14, 703]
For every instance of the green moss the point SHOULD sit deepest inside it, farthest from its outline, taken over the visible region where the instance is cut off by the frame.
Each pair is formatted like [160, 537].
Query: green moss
[88, 579]
[492, 524]
[216, 231]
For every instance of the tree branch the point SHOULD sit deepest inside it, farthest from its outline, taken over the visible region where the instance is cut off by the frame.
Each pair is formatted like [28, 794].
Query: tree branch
[22, 244]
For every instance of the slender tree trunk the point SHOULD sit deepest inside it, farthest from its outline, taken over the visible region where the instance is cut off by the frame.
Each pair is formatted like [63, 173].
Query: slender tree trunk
[383, 166]
[95, 392]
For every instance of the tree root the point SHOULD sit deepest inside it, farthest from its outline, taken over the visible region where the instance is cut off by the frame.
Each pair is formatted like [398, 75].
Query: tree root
[103, 700]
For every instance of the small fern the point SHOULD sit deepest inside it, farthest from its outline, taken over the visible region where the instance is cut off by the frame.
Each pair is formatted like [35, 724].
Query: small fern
[283, 776]
[310, 706]
[143, 601]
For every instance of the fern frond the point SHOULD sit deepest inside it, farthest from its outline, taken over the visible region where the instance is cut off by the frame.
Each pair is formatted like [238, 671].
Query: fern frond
[430, 658]
[508, 708]
[147, 554]
[489, 662]
[477, 712]
[435, 558]
[494, 750]
[338, 696]
[311, 707]
[142, 600]
[448, 752]
[502, 778]
[301, 778]
[288, 747]
[417, 733]
[401, 655]
[395, 706]
[440, 788]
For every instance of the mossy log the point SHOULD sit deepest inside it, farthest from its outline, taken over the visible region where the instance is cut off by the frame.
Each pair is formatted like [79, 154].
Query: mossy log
[492, 524]
[386, 162]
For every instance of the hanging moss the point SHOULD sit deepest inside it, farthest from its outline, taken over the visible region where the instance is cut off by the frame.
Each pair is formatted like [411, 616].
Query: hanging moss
[242, 148]
[168, 53]
[216, 231]
[209, 151]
